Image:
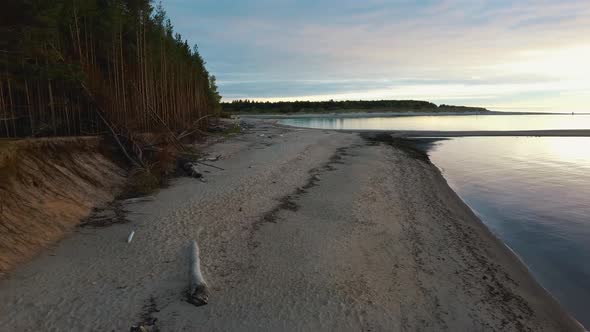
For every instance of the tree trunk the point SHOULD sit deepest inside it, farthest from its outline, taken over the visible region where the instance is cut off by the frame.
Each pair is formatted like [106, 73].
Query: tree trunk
[29, 109]
[11, 106]
[52, 107]
[4, 109]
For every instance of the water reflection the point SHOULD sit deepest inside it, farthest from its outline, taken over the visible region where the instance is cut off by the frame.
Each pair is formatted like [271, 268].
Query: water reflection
[448, 122]
[534, 193]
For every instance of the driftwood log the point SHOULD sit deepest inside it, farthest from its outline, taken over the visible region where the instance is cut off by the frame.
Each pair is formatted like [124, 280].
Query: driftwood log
[192, 170]
[198, 290]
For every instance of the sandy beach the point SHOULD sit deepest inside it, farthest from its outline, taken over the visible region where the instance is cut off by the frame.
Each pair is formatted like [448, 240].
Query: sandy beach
[302, 230]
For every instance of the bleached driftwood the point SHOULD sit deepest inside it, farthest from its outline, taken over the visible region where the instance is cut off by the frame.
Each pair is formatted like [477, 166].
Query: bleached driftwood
[130, 237]
[198, 290]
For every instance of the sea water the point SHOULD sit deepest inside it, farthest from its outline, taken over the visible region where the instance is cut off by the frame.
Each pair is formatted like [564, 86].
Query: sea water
[534, 194]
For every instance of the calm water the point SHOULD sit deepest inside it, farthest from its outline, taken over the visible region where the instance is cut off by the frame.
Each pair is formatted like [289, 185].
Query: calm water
[449, 122]
[532, 192]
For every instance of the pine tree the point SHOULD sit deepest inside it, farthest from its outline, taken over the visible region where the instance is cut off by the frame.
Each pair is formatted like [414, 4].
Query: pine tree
[63, 61]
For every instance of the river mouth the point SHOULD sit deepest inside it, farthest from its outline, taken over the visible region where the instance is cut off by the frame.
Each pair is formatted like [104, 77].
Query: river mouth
[532, 192]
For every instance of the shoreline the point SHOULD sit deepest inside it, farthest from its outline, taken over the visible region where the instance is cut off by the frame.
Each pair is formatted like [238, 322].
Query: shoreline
[424, 144]
[390, 247]
[461, 133]
[338, 115]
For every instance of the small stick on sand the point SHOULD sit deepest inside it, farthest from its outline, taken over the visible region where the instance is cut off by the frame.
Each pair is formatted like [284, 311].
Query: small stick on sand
[198, 291]
[130, 237]
[209, 165]
[139, 200]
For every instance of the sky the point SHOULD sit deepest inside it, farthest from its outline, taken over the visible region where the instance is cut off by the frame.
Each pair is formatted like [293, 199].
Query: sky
[506, 55]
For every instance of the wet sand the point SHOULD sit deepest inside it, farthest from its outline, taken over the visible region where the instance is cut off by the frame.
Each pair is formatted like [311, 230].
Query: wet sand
[302, 230]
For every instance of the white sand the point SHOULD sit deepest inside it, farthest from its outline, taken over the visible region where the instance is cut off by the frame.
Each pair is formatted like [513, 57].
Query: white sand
[312, 230]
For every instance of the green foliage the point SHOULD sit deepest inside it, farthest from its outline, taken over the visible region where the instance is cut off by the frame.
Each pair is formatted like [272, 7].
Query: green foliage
[233, 130]
[248, 106]
[61, 60]
[214, 93]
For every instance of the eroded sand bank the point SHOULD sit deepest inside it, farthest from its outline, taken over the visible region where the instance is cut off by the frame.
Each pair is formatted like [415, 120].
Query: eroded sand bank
[303, 230]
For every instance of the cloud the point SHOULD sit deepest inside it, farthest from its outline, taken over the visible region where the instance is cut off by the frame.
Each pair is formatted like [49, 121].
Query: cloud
[270, 49]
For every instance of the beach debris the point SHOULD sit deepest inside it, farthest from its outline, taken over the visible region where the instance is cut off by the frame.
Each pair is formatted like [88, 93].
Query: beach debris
[247, 125]
[190, 166]
[148, 321]
[144, 328]
[216, 158]
[110, 214]
[192, 170]
[130, 237]
[198, 290]
[216, 128]
[138, 200]
[212, 166]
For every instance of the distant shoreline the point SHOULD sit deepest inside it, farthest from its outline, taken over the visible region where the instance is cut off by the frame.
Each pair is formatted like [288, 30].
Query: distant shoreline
[436, 133]
[384, 114]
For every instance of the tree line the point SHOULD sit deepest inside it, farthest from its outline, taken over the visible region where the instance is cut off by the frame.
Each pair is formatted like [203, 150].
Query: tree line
[249, 106]
[80, 67]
